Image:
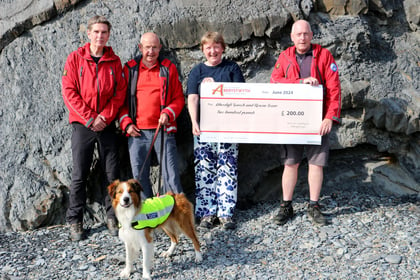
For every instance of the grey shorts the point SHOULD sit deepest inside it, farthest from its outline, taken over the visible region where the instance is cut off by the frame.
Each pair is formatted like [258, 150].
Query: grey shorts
[316, 154]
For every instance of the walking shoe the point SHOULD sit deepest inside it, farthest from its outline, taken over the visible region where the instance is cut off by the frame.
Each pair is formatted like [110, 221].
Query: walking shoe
[315, 215]
[76, 232]
[285, 213]
[206, 222]
[112, 226]
[227, 223]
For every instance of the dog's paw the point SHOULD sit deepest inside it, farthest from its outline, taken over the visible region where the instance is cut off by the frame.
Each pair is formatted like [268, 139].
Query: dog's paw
[125, 273]
[166, 254]
[147, 276]
[198, 257]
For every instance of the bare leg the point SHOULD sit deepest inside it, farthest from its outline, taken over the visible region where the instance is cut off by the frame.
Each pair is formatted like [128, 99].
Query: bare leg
[315, 178]
[289, 180]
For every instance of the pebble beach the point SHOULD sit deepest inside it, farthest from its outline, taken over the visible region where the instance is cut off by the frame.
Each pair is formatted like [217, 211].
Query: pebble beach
[371, 234]
[369, 237]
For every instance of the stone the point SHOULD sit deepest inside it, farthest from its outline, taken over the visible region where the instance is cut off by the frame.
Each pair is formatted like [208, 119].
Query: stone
[19, 15]
[343, 7]
[394, 259]
[412, 10]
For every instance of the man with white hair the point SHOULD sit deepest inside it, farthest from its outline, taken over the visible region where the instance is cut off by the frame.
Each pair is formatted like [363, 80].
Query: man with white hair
[154, 98]
[308, 63]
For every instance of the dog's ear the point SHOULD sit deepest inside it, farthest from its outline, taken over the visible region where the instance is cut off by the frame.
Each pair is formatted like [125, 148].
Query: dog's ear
[112, 187]
[136, 185]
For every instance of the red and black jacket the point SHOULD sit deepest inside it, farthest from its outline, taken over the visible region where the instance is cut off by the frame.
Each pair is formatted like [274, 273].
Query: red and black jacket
[90, 89]
[323, 67]
[172, 98]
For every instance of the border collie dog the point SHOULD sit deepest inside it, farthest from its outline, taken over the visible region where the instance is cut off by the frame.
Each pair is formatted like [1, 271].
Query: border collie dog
[171, 212]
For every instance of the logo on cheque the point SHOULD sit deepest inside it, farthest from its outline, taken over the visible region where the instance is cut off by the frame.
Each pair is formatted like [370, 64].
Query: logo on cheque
[219, 89]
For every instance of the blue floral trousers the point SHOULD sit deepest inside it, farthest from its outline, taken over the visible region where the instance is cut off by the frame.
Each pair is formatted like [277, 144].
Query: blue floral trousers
[216, 178]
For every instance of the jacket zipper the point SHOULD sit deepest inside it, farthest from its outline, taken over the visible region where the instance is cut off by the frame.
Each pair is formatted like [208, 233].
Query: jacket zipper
[114, 79]
[322, 81]
[97, 83]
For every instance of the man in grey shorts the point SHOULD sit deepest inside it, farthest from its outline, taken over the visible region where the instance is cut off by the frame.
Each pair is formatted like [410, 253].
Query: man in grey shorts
[308, 63]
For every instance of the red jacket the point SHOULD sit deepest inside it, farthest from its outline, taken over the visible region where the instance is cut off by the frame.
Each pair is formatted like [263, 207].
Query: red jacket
[89, 89]
[172, 97]
[323, 68]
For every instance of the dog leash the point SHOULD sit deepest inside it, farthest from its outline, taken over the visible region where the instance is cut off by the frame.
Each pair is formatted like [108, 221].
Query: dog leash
[162, 137]
[161, 155]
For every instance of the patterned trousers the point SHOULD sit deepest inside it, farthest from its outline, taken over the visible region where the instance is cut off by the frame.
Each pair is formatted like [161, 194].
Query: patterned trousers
[216, 178]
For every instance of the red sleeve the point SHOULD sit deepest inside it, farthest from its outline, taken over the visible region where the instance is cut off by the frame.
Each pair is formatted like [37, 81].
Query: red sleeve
[175, 100]
[333, 87]
[282, 66]
[78, 109]
[113, 106]
[123, 115]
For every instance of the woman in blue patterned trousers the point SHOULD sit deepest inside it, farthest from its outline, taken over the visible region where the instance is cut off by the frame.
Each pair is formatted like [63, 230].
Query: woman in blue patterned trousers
[216, 164]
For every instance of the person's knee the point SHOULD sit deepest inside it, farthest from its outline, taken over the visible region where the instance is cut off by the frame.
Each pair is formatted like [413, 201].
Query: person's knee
[316, 167]
[294, 166]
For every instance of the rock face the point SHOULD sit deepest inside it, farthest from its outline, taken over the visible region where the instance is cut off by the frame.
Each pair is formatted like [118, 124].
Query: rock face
[376, 45]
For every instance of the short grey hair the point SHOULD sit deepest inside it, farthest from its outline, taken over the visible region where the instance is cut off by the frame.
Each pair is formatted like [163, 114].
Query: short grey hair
[98, 19]
[301, 20]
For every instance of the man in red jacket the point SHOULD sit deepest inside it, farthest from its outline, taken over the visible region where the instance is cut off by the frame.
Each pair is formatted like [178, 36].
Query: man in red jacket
[93, 90]
[154, 97]
[309, 64]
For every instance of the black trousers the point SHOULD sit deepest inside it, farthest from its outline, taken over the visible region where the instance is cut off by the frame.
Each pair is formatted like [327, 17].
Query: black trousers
[83, 142]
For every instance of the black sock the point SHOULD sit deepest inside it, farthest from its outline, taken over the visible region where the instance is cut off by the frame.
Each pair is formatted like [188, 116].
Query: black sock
[286, 203]
[313, 203]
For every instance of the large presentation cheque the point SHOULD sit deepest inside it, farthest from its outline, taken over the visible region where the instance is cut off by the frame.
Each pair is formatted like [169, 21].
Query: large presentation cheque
[260, 113]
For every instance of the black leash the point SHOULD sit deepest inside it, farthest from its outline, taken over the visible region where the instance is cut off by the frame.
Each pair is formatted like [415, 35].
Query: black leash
[161, 155]
[162, 136]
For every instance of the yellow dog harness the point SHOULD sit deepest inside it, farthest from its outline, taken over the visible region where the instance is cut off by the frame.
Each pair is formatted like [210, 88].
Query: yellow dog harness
[154, 211]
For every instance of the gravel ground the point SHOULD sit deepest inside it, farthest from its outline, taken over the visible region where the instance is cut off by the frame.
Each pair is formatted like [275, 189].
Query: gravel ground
[371, 235]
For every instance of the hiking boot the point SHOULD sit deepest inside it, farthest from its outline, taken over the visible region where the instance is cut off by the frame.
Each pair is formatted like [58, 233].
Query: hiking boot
[285, 213]
[227, 223]
[206, 222]
[315, 215]
[76, 232]
[112, 226]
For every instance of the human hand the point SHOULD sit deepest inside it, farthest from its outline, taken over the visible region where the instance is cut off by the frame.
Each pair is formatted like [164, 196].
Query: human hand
[208, 80]
[164, 119]
[326, 127]
[133, 131]
[196, 129]
[311, 80]
[99, 124]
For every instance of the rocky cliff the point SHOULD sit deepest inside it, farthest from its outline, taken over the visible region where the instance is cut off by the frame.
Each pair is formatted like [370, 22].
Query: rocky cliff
[376, 44]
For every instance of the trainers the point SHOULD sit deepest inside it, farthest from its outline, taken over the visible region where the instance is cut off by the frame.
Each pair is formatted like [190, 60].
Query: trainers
[285, 213]
[227, 223]
[76, 232]
[315, 215]
[112, 226]
[206, 222]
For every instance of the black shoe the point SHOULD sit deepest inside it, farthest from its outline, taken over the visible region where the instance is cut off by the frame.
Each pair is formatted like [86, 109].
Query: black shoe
[112, 226]
[285, 213]
[315, 215]
[227, 223]
[206, 222]
[76, 232]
